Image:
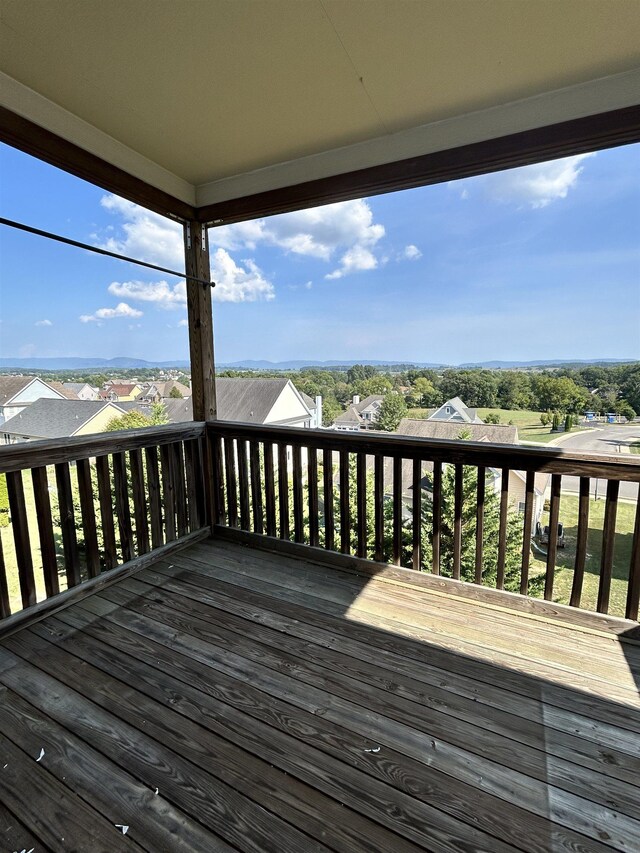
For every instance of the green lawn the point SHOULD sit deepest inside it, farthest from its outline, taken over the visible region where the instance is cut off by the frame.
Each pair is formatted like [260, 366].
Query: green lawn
[565, 560]
[634, 447]
[527, 422]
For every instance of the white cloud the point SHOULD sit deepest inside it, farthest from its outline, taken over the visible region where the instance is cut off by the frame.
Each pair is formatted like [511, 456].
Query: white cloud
[354, 260]
[121, 310]
[147, 236]
[43, 323]
[235, 283]
[535, 186]
[159, 292]
[411, 252]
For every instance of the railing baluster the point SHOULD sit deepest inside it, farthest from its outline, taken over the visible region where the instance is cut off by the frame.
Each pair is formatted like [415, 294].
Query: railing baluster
[480, 525]
[5, 604]
[181, 493]
[106, 512]
[552, 545]
[45, 530]
[269, 490]
[312, 483]
[608, 540]
[168, 492]
[256, 487]
[327, 499]
[230, 478]
[219, 512]
[581, 543]
[243, 483]
[633, 591]
[345, 512]
[397, 510]
[437, 509]
[457, 522]
[155, 503]
[68, 524]
[24, 560]
[283, 491]
[298, 510]
[417, 514]
[88, 514]
[139, 501]
[123, 512]
[193, 468]
[526, 532]
[361, 500]
[502, 529]
[378, 498]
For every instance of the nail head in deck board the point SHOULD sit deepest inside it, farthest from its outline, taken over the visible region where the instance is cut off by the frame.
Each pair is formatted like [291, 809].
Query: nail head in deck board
[298, 509]
[256, 487]
[123, 511]
[345, 511]
[312, 485]
[327, 499]
[269, 490]
[168, 492]
[106, 512]
[502, 530]
[283, 491]
[42, 501]
[552, 542]
[155, 503]
[526, 531]
[17, 508]
[361, 496]
[581, 543]
[608, 543]
[88, 514]
[231, 481]
[481, 474]
[633, 590]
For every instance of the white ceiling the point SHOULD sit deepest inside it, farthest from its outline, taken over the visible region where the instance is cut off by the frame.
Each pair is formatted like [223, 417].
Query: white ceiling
[208, 99]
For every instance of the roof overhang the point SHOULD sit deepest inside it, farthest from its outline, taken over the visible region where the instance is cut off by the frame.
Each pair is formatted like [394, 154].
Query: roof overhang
[225, 111]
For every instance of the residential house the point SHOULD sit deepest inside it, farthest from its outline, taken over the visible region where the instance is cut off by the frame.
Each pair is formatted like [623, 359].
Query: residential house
[155, 392]
[315, 407]
[361, 414]
[54, 418]
[256, 401]
[456, 410]
[121, 391]
[18, 392]
[82, 390]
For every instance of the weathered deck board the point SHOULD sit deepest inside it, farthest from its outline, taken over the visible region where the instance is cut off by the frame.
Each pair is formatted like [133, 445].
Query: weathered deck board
[280, 705]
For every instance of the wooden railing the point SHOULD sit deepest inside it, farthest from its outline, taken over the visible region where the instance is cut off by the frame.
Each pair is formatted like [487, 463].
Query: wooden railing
[450, 508]
[83, 506]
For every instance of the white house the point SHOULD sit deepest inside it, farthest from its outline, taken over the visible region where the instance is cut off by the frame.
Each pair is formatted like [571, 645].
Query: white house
[456, 410]
[361, 414]
[82, 390]
[18, 392]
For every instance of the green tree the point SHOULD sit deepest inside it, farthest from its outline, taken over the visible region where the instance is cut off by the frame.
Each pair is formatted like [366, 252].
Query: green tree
[545, 418]
[568, 423]
[426, 393]
[158, 414]
[514, 390]
[331, 408]
[392, 410]
[176, 394]
[492, 418]
[130, 420]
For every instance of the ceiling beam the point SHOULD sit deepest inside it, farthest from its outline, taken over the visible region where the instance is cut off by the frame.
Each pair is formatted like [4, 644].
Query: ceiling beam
[563, 139]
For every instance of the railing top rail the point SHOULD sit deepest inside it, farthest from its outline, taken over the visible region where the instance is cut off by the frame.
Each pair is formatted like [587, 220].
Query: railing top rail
[33, 454]
[552, 460]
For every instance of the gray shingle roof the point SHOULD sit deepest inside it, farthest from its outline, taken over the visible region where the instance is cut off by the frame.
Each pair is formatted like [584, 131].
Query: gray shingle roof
[239, 399]
[351, 416]
[372, 398]
[495, 433]
[47, 418]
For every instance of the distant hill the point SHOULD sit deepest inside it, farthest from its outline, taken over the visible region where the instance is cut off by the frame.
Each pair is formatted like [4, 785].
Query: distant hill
[105, 364]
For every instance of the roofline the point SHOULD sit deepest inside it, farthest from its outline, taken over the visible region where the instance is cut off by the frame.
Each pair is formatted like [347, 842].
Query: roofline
[29, 384]
[504, 136]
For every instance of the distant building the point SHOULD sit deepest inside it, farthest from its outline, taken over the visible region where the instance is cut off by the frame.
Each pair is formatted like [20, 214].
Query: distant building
[361, 414]
[18, 392]
[157, 391]
[456, 410]
[56, 418]
[82, 390]
[121, 391]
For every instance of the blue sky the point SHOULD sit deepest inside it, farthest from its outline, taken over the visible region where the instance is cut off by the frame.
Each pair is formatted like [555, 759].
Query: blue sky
[534, 263]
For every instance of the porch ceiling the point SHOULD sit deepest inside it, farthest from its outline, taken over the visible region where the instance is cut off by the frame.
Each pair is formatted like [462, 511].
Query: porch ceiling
[214, 100]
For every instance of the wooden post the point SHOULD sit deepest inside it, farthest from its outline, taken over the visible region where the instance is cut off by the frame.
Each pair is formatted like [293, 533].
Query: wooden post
[200, 317]
[203, 388]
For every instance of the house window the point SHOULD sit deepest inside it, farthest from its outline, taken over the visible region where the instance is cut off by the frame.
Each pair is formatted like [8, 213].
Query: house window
[521, 505]
[448, 410]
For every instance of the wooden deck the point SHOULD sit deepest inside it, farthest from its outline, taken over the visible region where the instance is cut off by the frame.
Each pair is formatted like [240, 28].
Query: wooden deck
[229, 699]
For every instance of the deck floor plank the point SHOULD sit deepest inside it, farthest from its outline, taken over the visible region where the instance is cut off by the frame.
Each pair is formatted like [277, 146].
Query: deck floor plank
[284, 706]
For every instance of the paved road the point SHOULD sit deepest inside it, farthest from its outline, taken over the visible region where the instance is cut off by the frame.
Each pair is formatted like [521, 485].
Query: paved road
[611, 440]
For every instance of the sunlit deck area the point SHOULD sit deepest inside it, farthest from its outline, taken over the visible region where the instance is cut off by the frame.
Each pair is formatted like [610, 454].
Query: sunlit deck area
[230, 698]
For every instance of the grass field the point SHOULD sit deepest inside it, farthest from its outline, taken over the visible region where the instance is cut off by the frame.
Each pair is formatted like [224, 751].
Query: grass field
[566, 556]
[634, 447]
[527, 422]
